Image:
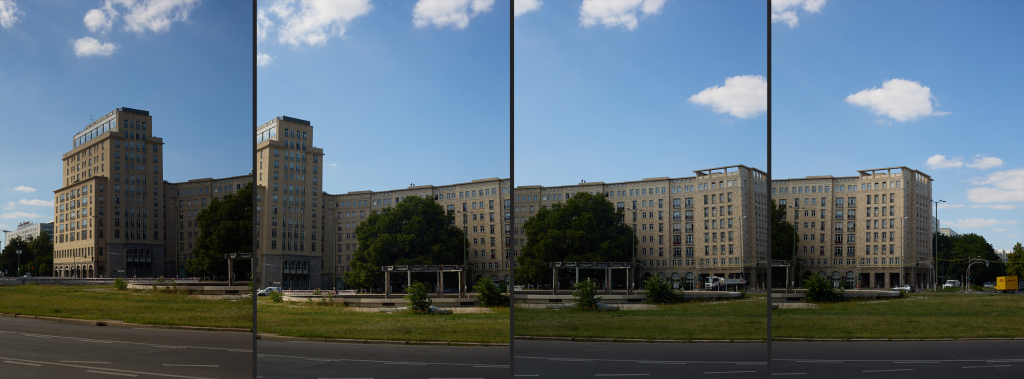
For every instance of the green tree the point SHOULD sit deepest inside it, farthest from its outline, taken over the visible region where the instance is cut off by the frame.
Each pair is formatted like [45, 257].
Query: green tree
[417, 297]
[42, 251]
[416, 231]
[585, 297]
[586, 228]
[224, 227]
[489, 294]
[784, 239]
[820, 290]
[955, 254]
[659, 291]
[11, 259]
[1015, 262]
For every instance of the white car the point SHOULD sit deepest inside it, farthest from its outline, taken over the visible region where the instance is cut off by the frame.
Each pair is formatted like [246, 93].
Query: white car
[952, 283]
[268, 290]
[906, 287]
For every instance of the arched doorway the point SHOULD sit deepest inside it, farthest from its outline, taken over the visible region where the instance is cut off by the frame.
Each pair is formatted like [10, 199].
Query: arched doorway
[689, 280]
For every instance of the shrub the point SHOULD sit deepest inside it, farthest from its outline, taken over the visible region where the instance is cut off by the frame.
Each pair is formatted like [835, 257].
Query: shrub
[659, 291]
[585, 295]
[489, 294]
[120, 284]
[276, 296]
[417, 298]
[819, 290]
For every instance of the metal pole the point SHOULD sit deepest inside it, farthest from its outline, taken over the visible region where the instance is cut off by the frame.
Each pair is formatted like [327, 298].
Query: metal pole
[935, 231]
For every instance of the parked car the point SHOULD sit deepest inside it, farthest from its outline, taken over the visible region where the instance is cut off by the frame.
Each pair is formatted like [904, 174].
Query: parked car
[906, 287]
[989, 285]
[268, 290]
[952, 283]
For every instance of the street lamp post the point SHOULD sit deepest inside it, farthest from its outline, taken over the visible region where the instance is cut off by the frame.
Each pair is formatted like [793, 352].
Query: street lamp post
[18, 267]
[935, 231]
[639, 268]
[903, 242]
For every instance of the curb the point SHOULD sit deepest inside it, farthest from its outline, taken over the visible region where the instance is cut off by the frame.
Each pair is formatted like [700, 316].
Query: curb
[120, 324]
[776, 339]
[275, 337]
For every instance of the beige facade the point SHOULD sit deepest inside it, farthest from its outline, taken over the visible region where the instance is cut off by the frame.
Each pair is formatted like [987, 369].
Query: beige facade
[713, 223]
[185, 200]
[290, 221]
[873, 229]
[109, 217]
[481, 207]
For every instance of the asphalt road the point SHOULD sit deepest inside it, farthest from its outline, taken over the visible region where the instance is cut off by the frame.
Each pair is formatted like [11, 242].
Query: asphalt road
[44, 349]
[946, 359]
[292, 359]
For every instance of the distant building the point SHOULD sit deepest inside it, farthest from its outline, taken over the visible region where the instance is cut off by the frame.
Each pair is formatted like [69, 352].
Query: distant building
[949, 232]
[29, 231]
[1002, 253]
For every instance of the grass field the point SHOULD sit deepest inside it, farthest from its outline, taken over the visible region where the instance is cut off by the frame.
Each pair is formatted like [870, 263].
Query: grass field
[928, 315]
[317, 321]
[727, 319]
[919, 315]
[103, 302]
[288, 319]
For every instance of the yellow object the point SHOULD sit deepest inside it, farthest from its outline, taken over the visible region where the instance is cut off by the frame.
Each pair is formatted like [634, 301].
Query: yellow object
[1006, 284]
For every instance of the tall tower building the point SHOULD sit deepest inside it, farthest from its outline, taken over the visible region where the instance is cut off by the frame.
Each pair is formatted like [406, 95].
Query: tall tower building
[109, 213]
[289, 228]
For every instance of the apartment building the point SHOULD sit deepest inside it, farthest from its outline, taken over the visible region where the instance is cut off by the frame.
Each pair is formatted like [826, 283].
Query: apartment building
[28, 231]
[109, 217]
[185, 200]
[481, 207]
[688, 228]
[290, 231]
[872, 229]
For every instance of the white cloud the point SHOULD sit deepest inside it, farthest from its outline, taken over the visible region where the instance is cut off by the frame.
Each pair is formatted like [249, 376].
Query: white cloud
[1001, 187]
[742, 96]
[156, 15]
[20, 215]
[454, 13]
[612, 13]
[36, 202]
[975, 223]
[899, 99]
[9, 205]
[9, 13]
[995, 206]
[24, 189]
[97, 20]
[940, 161]
[263, 59]
[311, 22]
[333, 165]
[87, 46]
[982, 162]
[520, 7]
[785, 10]
[263, 24]
[999, 230]
[948, 205]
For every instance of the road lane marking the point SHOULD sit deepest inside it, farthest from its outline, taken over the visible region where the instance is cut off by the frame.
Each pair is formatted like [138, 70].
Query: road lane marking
[22, 363]
[820, 362]
[104, 368]
[87, 362]
[986, 366]
[663, 362]
[789, 373]
[917, 362]
[899, 369]
[491, 366]
[728, 372]
[173, 365]
[109, 373]
[752, 363]
[622, 374]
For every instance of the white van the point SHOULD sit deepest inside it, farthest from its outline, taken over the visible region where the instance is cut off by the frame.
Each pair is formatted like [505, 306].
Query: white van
[951, 284]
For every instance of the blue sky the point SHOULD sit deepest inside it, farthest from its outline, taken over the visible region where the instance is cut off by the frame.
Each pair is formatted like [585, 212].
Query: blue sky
[848, 93]
[190, 67]
[398, 92]
[610, 94]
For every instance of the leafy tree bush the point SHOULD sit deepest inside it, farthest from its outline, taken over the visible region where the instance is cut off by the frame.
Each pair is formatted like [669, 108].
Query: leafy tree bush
[276, 296]
[120, 284]
[820, 290]
[417, 298]
[489, 294]
[585, 228]
[224, 227]
[585, 295]
[659, 291]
